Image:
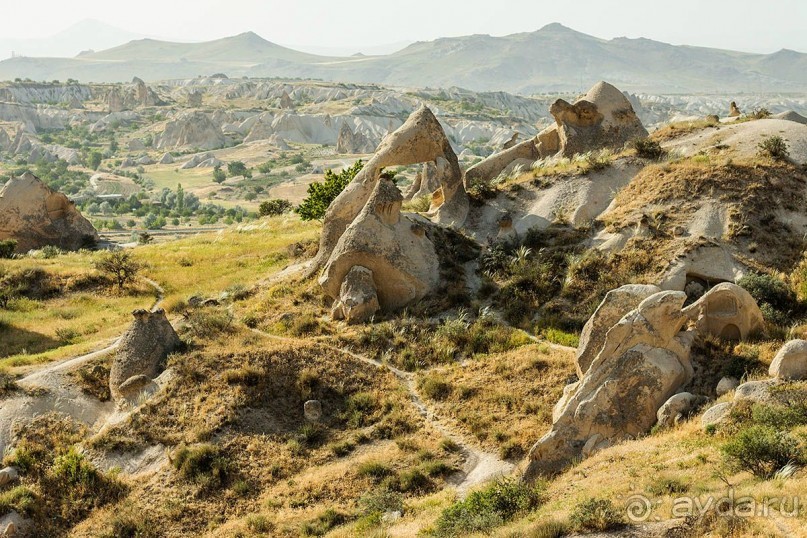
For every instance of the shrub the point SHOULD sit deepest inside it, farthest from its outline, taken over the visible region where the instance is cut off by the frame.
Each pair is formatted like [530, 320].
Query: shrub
[120, 266]
[238, 168]
[19, 498]
[596, 515]
[380, 501]
[324, 523]
[218, 174]
[7, 248]
[435, 387]
[549, 529]
[273, 207]
[557, 336]
[774, 147]
[488, 508]
[647, 148]
[374, 469]
[260, 524]
[321, 194]
[762, 451]
[208, 323]
[774, 297]
[203, 465]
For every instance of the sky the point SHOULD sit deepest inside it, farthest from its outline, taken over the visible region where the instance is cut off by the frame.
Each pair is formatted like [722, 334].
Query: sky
[345, 25]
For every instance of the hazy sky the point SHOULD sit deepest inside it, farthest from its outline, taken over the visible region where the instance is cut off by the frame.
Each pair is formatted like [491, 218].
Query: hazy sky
[749, 25]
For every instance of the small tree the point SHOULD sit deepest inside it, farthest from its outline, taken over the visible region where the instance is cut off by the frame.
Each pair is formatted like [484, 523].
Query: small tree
[95, 160]
[120, 266]
[775, 147]
[275, 206]
[7, 248]
[218, 174]
[320, 195]
[238, 168]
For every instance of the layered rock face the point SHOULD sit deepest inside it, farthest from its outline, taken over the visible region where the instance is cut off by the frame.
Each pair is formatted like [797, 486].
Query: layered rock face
[35, 215]
[142, 350]
[190, 130]
[350, 142]
[633, 363]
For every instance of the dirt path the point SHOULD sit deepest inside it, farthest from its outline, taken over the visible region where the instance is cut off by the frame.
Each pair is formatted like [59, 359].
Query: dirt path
[480, 466]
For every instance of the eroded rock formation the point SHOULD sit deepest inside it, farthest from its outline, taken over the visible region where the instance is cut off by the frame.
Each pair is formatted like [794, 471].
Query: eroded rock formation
[35, 215]
[350, 142]
[419, 140]
[190, 130]
[141, 353]
[633, 371]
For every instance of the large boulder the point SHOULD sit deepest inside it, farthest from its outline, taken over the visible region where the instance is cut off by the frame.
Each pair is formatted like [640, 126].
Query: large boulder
[358, 297]
[190, 130]
[420, 139]
[603, 118]
[141, 353]
[35, 215]
[728, 312]
[643, 361]
[790, 362]
[677, 408]
[402, 261]
[614, 306]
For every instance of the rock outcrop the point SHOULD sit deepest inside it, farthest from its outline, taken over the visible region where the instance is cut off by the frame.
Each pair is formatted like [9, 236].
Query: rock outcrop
[358, 297]
[734, 111]
[128, 97]
[141, 352]
[401, 261]
[190, 130]
[633, 371]
[419, 140]
[350, 142]
[603, 118]
[35, 215]
[790, 363]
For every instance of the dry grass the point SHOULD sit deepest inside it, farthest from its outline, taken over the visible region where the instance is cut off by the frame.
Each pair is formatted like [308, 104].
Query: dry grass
[503, 400]
[676, 130]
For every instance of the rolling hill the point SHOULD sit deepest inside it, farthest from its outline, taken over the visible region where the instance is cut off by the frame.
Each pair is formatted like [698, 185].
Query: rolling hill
[554, 58]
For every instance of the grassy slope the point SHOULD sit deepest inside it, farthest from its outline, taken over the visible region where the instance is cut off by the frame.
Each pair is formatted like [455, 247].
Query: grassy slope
[206, 264]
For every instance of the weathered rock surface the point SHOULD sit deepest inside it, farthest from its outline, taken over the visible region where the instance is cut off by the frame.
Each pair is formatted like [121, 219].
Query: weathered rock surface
[643, 361]
[678, 407]
[402, 260]
[190, 130]
[34, 215]
[726, 385]
[420, 139]
[726, 311]
[603, 118]
[358, 298]
[716, 414]
[734, 111]
[790, 362]
[141, 352]
[614, 306]
[350, 142]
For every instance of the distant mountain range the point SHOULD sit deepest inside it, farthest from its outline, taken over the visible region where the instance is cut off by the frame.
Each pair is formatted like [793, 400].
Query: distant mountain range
[554, 58]
[82, 36]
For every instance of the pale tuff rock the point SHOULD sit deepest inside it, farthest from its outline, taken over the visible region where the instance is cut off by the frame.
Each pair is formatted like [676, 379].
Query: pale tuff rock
[131, 96]
[402, 261]
[420, 139]
[312, 410]
[285, 101]
[734, 111]
[201, 160]
[791, 361]
[644, 360]
[716, 414]
[492, 166]
[141, 352]
[614, 306]
[512, 142]
[35, 216]
[679, 407]
[726, 311]
[350, 142]
[790, 115]
[726, 385]
[427, 181]
[190, 130]
[603, 118]
[167, 158]
[633, 359]
[358, 298]
[8, 475]
[5, 140]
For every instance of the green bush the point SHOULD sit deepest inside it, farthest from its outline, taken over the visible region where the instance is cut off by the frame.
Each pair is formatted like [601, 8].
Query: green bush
[374, 469]
[238, 168]
[596, 515]
[491, 507]
[324, 523]
[273, 207]
[7, 248]
[762, 450]
[321, 194]
[647, 148]
[774, 147]
[203, 464]
[776, 300]
[434, 387]
[120, 266]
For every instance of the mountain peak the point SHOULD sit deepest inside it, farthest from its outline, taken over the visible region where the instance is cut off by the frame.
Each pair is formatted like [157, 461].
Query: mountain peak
[556, 27]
